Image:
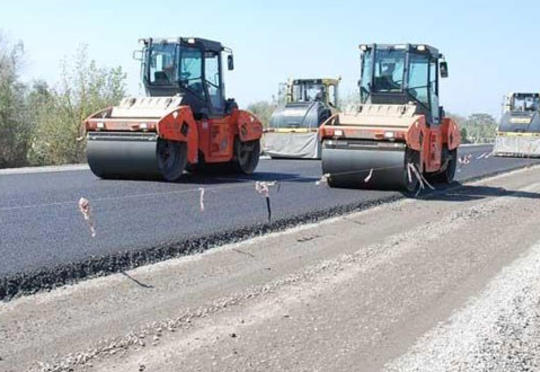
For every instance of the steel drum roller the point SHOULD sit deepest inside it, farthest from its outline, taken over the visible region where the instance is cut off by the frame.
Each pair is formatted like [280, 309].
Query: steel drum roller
[349, 163]
[123, 155]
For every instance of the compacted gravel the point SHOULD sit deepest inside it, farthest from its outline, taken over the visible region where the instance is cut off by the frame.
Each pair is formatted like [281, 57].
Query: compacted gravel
[498, 331]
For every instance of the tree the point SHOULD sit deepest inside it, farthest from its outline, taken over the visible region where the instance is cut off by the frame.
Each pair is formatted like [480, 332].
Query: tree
[476, 128]
[84, 89]
[14, 128]
[481, 127]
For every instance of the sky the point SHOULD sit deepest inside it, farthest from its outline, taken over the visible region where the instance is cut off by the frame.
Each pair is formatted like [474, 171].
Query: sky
[492, 47]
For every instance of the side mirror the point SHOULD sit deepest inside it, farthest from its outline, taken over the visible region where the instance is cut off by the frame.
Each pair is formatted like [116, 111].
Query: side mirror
[444, 69]
[230, 62]
[442, 114]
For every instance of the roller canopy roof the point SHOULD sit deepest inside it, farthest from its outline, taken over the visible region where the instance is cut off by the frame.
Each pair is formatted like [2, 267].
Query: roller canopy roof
[406, 47]
[207, 44]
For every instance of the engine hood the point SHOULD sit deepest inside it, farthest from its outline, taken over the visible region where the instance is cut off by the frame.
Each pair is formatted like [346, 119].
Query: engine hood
[380, 116]
[146, 107]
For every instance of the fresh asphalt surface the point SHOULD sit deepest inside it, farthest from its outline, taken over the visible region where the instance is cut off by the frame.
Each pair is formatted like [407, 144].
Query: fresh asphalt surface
[41, 226]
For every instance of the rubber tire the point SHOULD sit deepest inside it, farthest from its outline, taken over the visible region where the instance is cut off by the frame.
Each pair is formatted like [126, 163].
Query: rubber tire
[446, 176]
[451, 168]
[246, 160]
[172, 159]
[331, 182]
[411, 186]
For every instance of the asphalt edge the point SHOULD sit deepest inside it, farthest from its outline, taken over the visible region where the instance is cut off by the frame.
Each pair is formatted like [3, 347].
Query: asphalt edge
[25, 283]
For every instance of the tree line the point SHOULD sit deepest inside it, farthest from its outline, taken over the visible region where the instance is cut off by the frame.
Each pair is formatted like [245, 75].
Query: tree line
[42, 124]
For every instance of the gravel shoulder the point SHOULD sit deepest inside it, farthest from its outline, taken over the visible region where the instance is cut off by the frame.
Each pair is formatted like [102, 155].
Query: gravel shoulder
[389, 287]
[497, 331]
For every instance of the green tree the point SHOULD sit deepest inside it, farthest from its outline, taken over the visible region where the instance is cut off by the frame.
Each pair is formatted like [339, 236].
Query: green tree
[14, 126]
[84, 89]
[481, 127]
[476, 128]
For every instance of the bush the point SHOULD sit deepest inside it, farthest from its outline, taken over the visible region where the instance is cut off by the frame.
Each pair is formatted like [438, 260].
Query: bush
[58, 135]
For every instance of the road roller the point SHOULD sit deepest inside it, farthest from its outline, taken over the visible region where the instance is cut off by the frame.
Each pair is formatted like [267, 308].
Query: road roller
[183, 122]
[397, 136]
[292, 131]
[518, 134]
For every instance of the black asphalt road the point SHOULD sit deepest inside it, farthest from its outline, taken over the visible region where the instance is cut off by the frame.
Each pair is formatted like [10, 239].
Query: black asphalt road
[41, 226]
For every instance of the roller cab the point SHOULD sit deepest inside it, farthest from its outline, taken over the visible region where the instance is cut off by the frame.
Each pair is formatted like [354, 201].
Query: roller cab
[183, 122]
[292, 131]
[397, 125]
[518, 134]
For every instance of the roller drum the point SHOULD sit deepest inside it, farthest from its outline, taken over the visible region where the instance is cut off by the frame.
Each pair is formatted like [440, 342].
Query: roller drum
[349, 163]
[123, 155]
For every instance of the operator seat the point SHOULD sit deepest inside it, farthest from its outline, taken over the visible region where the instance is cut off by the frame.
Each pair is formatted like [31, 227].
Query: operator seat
[197, 88]
[161, 78]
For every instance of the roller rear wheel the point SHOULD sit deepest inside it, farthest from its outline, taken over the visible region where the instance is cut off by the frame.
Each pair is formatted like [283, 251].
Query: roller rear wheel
[450, 171]
[410, 181]
[172, 159]
[246, 156]
[446, 176]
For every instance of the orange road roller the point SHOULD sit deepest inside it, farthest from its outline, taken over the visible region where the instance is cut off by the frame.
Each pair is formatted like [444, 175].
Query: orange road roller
[184, 122]
[398, 134]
